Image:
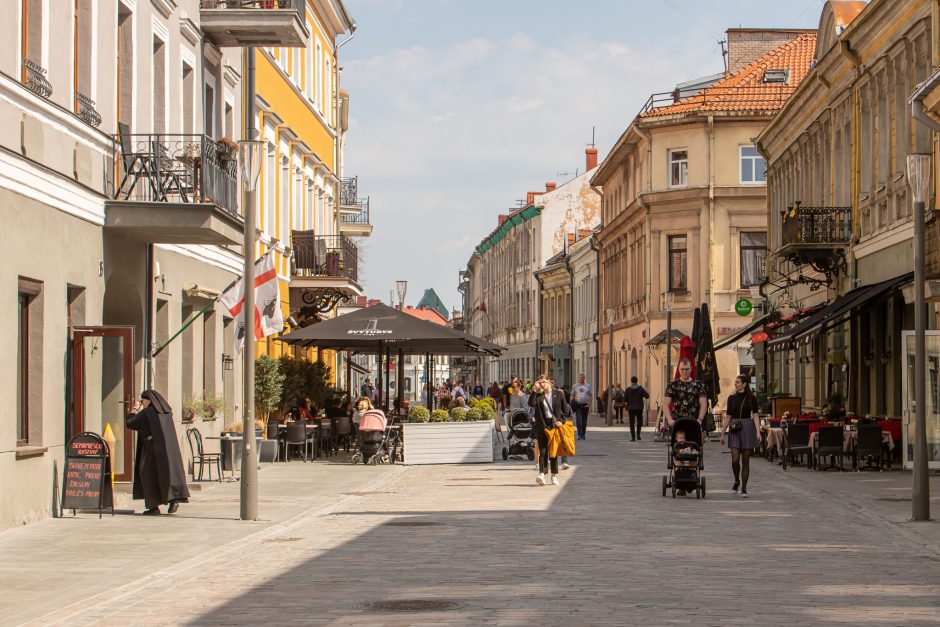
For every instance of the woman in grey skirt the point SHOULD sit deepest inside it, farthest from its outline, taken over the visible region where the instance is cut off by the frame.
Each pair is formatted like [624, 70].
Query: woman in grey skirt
[743, 428]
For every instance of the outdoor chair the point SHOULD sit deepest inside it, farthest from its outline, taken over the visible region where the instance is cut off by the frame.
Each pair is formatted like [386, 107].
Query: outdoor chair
[869, 447]
[296, 436]
[269, 449]
[200, 457]
[136, 164]
[796, 443]
[829, 443]
[343, 430]
[328, 435]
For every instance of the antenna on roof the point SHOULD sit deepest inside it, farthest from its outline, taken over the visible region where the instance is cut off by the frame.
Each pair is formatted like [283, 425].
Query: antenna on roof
[592, 145]
[520, 202]
[724, 53]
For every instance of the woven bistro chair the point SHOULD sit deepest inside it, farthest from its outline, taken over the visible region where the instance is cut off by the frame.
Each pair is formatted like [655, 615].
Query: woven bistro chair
[796, 444]
[830, 444]
[296, 436]
[869, 447]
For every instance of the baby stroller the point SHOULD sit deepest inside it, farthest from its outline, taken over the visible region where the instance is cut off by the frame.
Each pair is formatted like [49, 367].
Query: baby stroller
[685, 460]
[372, 438]
[520, 436]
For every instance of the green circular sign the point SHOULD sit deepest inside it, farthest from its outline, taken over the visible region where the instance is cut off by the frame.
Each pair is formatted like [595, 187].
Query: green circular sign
[743, 307]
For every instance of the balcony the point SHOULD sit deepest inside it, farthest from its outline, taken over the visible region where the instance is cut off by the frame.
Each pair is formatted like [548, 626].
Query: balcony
[241, 23]
[324, 268]
[175, 189]
[816, 236]
[34, 77]
[353, 210]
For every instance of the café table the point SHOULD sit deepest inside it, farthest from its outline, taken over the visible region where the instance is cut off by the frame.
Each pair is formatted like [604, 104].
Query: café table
[850, 437]
[313, 436]
[230, 446]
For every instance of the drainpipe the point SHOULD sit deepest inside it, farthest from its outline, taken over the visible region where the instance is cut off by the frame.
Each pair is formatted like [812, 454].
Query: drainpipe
[571, 375]
[597, 290]
[337, 153]
[648, 138]
[648, 280]
[711, 215]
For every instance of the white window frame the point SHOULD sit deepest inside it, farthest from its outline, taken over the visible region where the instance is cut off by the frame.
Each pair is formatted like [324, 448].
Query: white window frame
[754, 160]
[683, 173]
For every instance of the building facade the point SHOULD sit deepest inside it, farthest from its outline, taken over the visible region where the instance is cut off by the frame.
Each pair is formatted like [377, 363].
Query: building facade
[684, 210]
[500, 290]
[840, 214]
[554, 323]
[582, 266]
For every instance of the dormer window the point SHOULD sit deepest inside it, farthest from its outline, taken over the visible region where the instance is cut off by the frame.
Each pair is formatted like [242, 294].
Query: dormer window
[777, 76]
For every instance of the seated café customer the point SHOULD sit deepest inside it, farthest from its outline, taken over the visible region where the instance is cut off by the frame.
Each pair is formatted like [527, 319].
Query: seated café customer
[305, 409]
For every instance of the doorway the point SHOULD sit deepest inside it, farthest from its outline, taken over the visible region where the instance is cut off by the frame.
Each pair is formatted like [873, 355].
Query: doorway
[932, 396]
[103, 388]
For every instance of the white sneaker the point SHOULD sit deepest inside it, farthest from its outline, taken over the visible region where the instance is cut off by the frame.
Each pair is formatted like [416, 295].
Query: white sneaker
[565, 466]
[555, 480]
[540, 479]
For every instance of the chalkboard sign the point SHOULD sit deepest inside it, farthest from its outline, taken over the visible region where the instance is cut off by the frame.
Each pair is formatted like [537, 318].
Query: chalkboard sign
[87, 480]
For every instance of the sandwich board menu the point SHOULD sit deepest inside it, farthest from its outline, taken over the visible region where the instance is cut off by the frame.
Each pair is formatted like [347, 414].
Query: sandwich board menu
[87, 477]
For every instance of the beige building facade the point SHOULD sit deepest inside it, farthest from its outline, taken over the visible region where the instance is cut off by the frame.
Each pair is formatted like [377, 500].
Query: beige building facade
[683, 213]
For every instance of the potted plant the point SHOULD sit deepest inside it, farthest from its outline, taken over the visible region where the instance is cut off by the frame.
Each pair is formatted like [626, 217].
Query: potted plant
[419, 413]
[834, 411]
[474, 414]
[211, 407]
[440, 415]
[226, 149]
[190, 410]
[459, 414]
[269, 384]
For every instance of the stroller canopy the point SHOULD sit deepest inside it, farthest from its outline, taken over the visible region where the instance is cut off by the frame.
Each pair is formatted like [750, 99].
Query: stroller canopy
[691, 428]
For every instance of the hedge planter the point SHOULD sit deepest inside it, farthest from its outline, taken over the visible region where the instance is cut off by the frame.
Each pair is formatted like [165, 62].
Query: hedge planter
[449, 442]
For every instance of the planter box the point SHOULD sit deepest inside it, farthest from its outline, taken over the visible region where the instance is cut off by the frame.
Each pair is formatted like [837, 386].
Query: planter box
[449, 442]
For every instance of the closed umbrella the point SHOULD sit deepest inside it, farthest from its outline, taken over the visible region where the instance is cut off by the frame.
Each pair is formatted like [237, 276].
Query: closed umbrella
[705, 363]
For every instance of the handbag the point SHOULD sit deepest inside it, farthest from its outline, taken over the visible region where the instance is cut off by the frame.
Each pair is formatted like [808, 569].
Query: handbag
[737, 423]
[708, 423]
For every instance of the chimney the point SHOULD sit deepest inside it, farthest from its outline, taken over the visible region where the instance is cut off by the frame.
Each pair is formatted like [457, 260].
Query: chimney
[590, 156]
[549, 187]
[502, 218]
[746, 45]
[531, 196]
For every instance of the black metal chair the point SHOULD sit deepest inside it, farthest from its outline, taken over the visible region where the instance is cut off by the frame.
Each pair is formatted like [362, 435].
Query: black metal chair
[296, 436]
[829, 443]
[343, 431]
[137, 165]
[796, 443]
[328, 435]
[869, 447]
[200, 457]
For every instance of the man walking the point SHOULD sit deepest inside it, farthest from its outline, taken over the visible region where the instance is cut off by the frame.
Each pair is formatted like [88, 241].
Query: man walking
[581, 403]
[635, 395]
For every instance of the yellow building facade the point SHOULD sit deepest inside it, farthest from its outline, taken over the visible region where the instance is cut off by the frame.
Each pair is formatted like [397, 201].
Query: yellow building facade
[300, 120]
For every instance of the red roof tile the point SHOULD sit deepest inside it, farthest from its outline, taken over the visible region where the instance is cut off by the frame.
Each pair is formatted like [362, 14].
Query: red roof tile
[745, 90]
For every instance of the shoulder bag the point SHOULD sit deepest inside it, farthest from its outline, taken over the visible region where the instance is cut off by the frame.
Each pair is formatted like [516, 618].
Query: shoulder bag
[738, 423]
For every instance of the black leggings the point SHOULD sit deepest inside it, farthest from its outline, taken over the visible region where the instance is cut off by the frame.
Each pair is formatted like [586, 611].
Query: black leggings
[544, 461]
[736, 467]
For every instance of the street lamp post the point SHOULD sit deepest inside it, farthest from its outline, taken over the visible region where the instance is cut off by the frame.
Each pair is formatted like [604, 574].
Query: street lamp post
[918, 177]
[667, 305]
[401, 288]
[249, 154]
[610, 366]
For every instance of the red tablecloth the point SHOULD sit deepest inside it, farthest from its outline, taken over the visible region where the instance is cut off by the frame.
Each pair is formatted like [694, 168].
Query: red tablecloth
[893, 427]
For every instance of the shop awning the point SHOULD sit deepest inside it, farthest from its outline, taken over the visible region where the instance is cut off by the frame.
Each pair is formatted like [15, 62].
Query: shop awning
[833, 313]
[752, 326]
[660, 338]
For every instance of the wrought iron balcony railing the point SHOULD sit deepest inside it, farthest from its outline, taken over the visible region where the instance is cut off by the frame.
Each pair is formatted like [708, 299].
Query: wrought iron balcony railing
[748, 97]
[356, 217]
[85, 109]
[816, 225]
[324, 256]
[34, 77]
[290, 5]
[177, 168]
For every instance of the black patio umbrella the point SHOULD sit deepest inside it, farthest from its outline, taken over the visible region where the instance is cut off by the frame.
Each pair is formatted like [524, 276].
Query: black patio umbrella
[382, 329]
[705, 363]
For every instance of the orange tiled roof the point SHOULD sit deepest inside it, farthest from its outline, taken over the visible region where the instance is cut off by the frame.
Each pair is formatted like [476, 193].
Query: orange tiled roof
[745, 91]
[426, 314]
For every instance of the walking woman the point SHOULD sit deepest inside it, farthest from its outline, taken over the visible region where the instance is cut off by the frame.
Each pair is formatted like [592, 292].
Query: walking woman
[550, 412]
[743, 426]
[159, 477]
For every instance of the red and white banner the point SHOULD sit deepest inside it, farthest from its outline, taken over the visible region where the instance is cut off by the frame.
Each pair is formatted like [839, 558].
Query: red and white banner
[268, 318]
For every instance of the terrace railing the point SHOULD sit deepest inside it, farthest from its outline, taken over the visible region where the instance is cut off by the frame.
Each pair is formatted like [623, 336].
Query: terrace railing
[333, 256]
[817, 225]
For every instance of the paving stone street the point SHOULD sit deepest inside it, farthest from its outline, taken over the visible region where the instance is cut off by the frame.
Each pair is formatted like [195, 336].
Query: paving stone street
[493, 548]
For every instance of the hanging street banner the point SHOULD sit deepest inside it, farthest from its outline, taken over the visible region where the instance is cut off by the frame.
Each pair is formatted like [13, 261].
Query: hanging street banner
[268, 318]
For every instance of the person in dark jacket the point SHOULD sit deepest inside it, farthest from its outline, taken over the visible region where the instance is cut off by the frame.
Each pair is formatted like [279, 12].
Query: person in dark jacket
[159, 476]
[635, 395]
[551, 411]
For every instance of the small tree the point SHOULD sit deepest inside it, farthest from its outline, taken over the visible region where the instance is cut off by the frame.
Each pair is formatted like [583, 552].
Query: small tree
[269, 385]
[304, 378]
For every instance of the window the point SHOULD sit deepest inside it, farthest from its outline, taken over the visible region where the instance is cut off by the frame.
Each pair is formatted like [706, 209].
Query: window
[777, 76]
[753, 166]
[678, 263]
[32, 33]
[159, 86]
[753, 258]
[22, 370]
[678, 168]
[188, 84]
[84, 43]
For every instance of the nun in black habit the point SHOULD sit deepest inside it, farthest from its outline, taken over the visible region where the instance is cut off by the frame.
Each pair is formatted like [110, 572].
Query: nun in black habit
[159, 477]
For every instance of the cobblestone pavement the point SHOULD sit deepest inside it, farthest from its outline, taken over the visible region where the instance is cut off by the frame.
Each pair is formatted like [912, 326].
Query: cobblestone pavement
[604, 548]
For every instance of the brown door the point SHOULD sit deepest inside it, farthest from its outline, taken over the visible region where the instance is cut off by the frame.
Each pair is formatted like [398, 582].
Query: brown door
[103, 388]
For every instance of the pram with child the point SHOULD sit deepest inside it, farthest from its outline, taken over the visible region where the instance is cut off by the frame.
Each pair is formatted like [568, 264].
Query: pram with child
[521, 443]
[376, 439]
[685, 459]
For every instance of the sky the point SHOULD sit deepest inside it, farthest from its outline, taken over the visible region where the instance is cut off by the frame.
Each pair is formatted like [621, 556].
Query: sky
[458, 107]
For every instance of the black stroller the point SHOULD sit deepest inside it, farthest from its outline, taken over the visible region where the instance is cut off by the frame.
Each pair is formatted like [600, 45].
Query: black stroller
[520, 436]
[685, 459]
